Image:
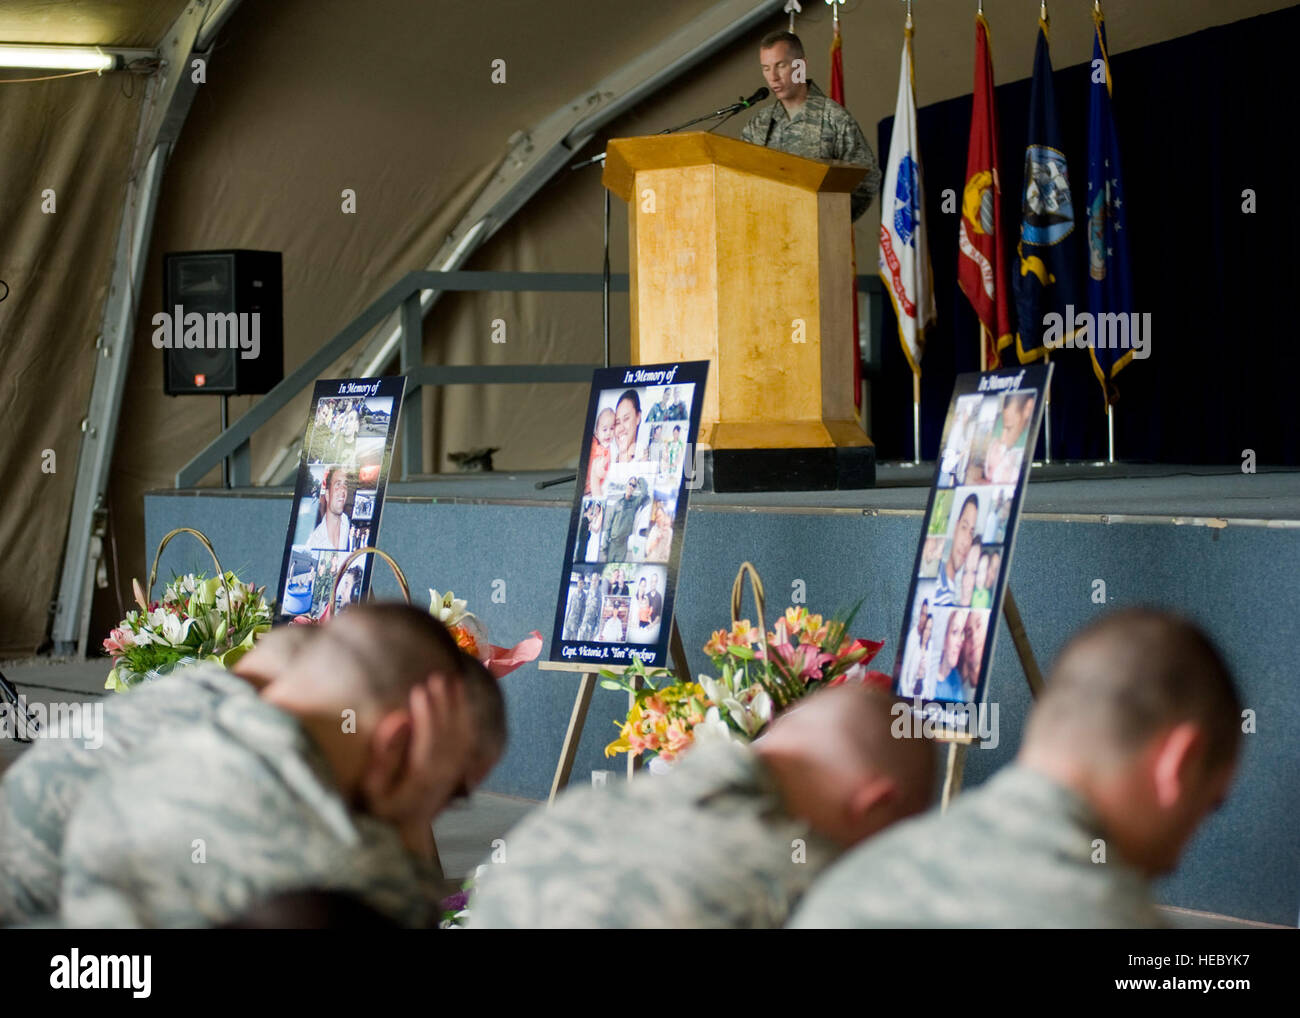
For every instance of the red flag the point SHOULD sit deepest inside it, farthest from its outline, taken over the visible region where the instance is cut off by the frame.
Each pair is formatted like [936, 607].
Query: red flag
[837, 95]
[981, 267]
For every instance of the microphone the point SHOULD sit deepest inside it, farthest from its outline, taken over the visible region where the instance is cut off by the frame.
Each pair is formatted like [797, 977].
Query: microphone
[728, 111]
[744, 104]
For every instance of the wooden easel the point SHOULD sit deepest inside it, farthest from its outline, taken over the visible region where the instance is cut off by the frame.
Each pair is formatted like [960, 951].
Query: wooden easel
[958, 745]
[582, 702]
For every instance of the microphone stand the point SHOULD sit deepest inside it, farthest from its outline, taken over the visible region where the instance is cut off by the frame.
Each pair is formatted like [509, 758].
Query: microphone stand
[726, 114]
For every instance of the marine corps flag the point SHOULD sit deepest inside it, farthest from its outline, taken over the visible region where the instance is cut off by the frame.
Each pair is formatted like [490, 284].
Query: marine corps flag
[1045, 280]
[1110, 286]
[904, 252]
[981, 267]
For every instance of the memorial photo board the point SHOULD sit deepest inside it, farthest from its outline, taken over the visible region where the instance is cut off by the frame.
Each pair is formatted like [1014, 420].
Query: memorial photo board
[342, 472]
[624, 544]
[964, 554]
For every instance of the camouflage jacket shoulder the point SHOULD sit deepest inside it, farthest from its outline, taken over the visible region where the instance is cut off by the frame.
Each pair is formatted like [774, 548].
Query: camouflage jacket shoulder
[42, 787]
[208, 820]
[1020, 851]
[707, 845]
[822, 129]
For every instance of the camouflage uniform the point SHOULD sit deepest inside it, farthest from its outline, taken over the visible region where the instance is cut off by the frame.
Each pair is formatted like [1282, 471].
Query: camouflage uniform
[708, 845]
[43, 786]
[822, 129]
[259, 795]
[1016, 852]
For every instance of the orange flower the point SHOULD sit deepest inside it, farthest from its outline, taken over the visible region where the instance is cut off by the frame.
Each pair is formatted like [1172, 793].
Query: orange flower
[465, 640]
[717, 645]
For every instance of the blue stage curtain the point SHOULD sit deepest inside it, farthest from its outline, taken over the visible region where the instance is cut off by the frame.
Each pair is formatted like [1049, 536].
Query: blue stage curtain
[1200, 119]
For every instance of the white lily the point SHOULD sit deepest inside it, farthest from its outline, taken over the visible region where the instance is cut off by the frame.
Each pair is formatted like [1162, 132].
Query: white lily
[752, 716]
[446, 608]
[174, 630]
[714, 729]
[713, 689]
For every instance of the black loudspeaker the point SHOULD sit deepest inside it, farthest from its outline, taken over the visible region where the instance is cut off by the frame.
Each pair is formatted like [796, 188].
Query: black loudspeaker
[227, 351]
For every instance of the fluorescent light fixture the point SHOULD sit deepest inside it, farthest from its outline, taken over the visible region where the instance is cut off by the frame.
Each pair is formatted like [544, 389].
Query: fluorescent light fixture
[65, 58]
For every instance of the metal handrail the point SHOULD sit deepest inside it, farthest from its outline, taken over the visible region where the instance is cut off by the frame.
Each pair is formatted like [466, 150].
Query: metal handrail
[233, 441]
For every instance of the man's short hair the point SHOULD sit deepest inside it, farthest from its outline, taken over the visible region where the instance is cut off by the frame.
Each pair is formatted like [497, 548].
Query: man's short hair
[789, 38]
[405, 646]
[1130, 674]
[402, 646]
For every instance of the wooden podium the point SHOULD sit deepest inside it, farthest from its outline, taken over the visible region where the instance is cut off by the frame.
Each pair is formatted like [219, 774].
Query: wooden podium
[741, 255]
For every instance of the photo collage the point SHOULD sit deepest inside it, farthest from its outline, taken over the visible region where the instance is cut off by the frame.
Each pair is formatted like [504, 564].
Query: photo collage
[987, 444]
[346, 452]
[628, 519]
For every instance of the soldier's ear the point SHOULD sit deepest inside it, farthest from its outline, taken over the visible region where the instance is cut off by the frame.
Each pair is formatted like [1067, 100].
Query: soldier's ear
[870, 804]
[389, 745]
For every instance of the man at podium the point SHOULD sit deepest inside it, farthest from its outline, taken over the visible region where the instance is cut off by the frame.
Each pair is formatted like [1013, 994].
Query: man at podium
[804, 121]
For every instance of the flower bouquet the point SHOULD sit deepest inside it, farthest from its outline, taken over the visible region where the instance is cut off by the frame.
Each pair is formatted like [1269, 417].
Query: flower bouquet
[757, 674]
[199, 618]
[471, 635]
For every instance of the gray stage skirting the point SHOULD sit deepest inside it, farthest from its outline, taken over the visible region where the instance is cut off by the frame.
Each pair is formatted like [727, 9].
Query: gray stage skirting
[1222, 548]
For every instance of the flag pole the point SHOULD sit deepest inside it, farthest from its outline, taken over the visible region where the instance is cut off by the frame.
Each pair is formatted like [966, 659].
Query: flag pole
[1110, 434]
[916, 377]
[1047, 415]
[916, 418]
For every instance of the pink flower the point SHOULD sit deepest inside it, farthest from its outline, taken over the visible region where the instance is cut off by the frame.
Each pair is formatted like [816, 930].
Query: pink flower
[118, 641]
[804, 661]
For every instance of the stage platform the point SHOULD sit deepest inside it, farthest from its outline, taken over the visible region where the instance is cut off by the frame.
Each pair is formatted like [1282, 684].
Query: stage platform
[1218, 545]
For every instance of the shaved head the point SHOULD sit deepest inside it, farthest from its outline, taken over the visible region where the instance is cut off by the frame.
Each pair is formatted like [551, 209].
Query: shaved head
[1123, 679]
[1141, 719]
[850, 776]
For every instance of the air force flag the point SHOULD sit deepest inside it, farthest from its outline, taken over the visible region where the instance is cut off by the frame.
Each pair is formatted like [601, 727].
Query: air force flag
[904, 253]
[1044, 280]
[1110, 286]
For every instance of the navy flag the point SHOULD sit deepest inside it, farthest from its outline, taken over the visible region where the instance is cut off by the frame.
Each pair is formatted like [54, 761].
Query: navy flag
[1110, 286]
[1044, 282]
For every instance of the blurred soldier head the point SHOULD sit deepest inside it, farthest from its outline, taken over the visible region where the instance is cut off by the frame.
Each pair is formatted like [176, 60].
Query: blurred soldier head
[407, 720]
[1140, 718]
[840, 768]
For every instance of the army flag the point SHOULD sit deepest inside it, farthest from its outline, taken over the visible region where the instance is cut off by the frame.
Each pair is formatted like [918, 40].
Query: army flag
[1110, 286]
[904, 252]
[981, 267]
[837, 95]
[1045, 257]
